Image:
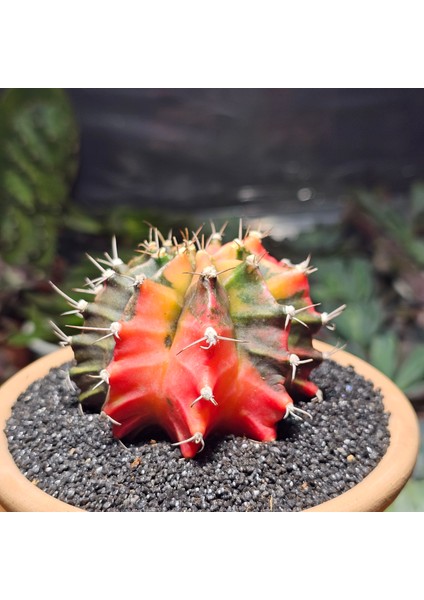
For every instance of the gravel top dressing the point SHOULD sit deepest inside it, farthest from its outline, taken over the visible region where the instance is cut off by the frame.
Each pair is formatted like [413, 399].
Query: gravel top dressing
[73, 456]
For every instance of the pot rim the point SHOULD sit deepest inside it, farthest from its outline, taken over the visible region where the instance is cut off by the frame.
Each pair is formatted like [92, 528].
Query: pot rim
[374, 493]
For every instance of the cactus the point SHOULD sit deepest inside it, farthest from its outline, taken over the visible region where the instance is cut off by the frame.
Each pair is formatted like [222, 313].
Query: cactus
[196, 337]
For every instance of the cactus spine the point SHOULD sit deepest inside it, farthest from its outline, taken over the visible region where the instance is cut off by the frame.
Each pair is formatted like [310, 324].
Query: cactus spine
[197, 337]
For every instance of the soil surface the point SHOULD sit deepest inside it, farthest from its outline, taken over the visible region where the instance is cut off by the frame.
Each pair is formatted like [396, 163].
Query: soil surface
[73, 457]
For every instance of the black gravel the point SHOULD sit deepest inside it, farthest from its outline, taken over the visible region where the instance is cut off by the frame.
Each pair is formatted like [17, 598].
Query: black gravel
[74, 457]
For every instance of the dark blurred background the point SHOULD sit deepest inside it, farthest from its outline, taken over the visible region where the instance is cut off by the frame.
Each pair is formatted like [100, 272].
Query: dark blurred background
[185, 149]
[337, 173]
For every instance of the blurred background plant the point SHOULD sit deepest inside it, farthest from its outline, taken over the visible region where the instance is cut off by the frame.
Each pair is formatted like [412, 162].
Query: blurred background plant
[366, 240]
[44, 234]
[373, 261]
[38, 163]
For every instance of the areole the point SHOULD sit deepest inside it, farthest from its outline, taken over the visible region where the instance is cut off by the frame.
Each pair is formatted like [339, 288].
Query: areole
[374, 493]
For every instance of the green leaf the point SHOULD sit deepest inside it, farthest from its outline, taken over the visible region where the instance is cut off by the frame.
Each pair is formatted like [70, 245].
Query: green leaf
[415, 391]
[360, 322]
[360, 277]
[354, 348]
[38, 160]
[394, 223]
[417, 199]
[384, 353]
[416, 248]
[18, 188]
[412, 369]
[79, 221]
[411, 498]
[347, 281]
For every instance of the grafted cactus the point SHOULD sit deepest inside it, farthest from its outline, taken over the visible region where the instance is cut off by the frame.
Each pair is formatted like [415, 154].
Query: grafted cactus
[197, 337]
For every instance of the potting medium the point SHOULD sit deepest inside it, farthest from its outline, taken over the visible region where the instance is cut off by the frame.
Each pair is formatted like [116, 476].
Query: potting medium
[72, 455]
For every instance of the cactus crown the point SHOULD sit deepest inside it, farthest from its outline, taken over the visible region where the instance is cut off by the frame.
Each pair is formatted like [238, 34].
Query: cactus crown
[196, 337]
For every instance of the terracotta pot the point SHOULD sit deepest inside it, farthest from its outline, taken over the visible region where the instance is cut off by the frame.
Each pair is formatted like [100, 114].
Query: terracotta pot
[374, 493]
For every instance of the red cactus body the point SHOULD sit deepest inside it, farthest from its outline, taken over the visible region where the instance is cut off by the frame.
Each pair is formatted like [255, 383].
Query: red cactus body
[198, 339]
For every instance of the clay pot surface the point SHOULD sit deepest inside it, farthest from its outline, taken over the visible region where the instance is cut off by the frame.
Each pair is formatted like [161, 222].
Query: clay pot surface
[374, 493]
